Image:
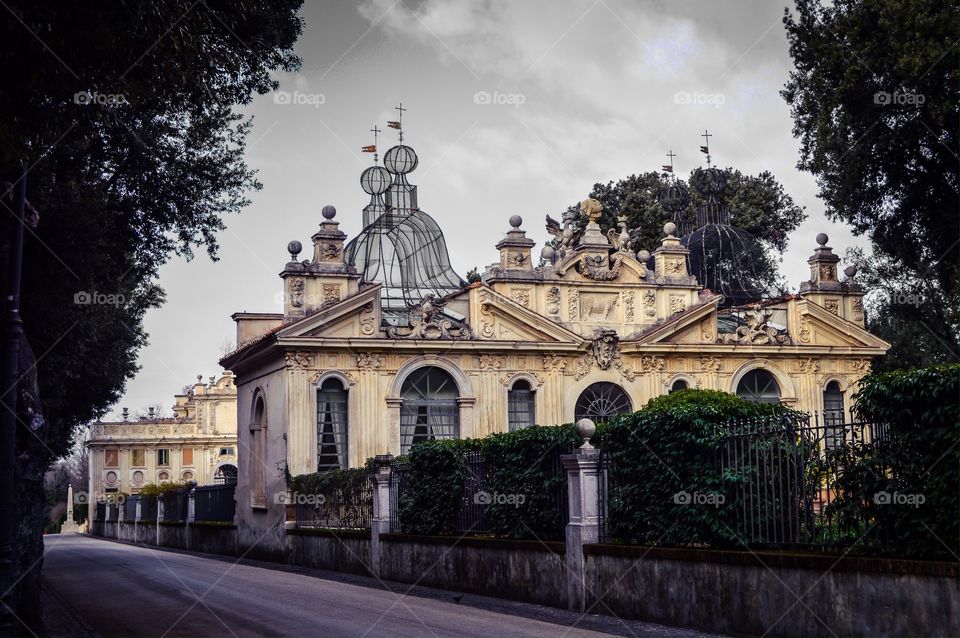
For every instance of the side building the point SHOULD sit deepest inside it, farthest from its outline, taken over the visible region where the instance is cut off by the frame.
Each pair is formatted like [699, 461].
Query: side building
[199, 443]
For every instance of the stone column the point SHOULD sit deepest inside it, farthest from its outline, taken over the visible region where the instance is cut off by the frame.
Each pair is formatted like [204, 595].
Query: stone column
[583, 484]
[70, 518]
[381, 508]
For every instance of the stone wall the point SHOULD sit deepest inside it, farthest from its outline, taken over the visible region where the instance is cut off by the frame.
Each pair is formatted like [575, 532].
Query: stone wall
[774, 594]
[530, 571]
[337, 550]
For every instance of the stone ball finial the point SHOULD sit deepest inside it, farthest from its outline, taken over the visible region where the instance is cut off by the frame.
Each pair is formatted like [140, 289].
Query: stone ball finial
[586, 429]
[669, 229]
[850, 271]
[294, 249]
[643, 256]
[328, 212]
[822, 239]
[547, 253]
[516, 220]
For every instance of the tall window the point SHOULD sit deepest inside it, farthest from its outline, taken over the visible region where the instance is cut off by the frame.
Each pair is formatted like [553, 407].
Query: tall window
[138, 457]
[331, 426]
[258, 448]
[111, 458]
[163, 457]
[186, 456]
[759, 386]
[602, 401]
[833, 414]
[520, 409]
[429, 409]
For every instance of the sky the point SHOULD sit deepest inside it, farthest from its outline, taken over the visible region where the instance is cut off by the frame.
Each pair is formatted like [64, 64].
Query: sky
[513, 106]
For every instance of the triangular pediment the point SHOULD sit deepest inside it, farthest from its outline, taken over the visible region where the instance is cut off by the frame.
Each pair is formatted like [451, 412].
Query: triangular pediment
[355, 316]
[495, 317]
[694, 325]
[823, 328]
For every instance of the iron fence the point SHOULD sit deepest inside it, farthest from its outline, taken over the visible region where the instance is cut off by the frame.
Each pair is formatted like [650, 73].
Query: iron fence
[348, 507]
[175, 506]
[215, 503]
[474, 498]
[148, 508]
[129, 506]
[399, 477]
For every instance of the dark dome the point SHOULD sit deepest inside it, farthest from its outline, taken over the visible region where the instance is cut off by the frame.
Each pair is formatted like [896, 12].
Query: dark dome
[723, 259]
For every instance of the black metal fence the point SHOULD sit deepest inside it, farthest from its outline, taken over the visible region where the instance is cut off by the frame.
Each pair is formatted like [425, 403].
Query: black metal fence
[148, 508]
[475, 498]
[347, 507]
[399, 476]
[129, 506]
[175, 506]
[790, 471]
[215, 503]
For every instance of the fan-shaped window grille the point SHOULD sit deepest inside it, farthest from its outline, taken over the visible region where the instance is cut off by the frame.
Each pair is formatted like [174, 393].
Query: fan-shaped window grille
[225, 474]
[520, 406]
[678, 385]
[602, 401]
[331, 426]
[430, 409]
[759, 386]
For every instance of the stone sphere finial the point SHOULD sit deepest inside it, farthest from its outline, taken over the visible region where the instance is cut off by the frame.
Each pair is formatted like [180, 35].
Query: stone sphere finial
[294, 249]
[822, 239]
[669, 229]
[547, 253]
[586, 429]
[516, 220]
[643, 256]
[850, 271]
[328, 212]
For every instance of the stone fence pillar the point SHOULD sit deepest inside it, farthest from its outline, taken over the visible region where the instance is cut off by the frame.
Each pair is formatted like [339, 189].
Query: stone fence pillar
[191, 515]
[381, 508]
[583, 489]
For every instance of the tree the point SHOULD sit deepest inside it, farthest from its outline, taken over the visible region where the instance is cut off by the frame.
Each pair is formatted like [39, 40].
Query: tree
[125, 115]
[758, 204]
[875, 105]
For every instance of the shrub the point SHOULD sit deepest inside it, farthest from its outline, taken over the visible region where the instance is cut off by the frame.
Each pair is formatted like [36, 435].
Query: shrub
[338, 498]
[154, 490]
[665, 452]
[917, 457]
[433, 487]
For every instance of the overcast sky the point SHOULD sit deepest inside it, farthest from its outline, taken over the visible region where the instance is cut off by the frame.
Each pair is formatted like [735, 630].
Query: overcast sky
[580, 91]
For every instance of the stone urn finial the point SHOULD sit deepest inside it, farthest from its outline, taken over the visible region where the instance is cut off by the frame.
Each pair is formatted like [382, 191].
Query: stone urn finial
[592, 208]
[586, 429]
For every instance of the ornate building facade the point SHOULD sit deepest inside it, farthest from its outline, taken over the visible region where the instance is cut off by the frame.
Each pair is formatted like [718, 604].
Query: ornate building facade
[199, 443]
[380, 344]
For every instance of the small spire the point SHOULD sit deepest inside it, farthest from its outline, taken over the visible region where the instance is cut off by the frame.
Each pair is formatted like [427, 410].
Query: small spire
[705, 149]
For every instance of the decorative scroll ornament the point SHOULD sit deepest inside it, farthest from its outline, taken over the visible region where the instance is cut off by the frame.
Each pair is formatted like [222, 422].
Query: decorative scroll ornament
[366, 361]
[758, 331]
[299, 360]
[487, 320]
[628, 306]
[367, 320]
[860, 366]
[592, 267]
[427, 321]
[552, 362]
[491, 362]
[808, 366]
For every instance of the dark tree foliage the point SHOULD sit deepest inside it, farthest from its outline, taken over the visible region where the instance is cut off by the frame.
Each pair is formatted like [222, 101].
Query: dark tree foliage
[874, 98]
[758, 204]
[124, 113]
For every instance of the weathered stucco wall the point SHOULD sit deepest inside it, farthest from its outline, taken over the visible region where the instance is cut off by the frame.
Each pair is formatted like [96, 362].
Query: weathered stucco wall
[530, 571]
[337, 550]
[775, 594]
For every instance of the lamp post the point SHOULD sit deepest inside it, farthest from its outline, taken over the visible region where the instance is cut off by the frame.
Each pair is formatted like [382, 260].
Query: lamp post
[13, 332]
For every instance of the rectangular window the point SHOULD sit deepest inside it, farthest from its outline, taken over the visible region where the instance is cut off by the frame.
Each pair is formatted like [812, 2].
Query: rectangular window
[163, 457]
[427, 420]
[111, 458]
[331, 427]
[520, 407]
[187, 455]
[138, 457]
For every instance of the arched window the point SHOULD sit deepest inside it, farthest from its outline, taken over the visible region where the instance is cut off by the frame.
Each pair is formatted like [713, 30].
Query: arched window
[678, 385]
[225, 474]
[520, 408]
[759, 386]
[331, 426]
[429, 409]
[833, 415]
[258, 448]
[602, 401]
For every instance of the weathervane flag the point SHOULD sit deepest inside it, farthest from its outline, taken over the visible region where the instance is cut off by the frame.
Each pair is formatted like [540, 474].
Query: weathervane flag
[369, 149]
[704, 149]
[393, 124]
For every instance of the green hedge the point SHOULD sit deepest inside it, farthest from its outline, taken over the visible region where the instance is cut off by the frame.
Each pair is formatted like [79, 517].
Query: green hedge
[664, 450]
[917, 460]
[522, 466]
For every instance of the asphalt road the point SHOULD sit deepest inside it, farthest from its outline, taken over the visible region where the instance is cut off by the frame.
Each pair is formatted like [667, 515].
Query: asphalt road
[97, 587]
